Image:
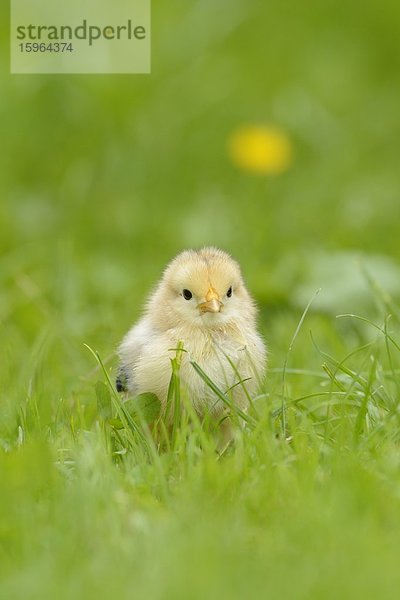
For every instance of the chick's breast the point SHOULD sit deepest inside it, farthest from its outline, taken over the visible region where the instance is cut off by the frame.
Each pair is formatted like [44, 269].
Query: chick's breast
[225, 358]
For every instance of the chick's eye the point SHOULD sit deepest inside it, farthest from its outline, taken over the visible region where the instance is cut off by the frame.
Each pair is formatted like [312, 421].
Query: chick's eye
[229, 292]
[187, 294]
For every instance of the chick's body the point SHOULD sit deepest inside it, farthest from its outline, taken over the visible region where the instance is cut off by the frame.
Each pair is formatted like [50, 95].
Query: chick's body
[201, 301]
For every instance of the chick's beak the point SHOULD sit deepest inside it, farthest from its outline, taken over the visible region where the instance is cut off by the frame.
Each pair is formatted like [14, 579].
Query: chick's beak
[212, 304]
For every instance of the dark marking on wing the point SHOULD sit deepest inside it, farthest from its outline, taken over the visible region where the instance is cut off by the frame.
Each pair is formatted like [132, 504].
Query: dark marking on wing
[121, 381]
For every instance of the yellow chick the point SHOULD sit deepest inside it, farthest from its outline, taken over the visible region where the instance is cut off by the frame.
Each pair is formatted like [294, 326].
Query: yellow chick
[201, 301]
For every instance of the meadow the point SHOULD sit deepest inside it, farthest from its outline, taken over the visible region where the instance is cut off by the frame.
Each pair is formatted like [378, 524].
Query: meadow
[103, 179]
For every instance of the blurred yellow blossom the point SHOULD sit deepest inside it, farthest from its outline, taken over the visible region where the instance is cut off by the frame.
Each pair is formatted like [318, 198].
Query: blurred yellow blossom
[260, 149]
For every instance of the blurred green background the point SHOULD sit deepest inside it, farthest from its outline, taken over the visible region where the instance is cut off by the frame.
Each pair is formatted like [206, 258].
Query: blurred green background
[103, 179]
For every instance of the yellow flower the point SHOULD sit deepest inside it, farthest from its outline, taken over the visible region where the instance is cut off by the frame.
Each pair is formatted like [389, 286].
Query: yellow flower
[260, 149]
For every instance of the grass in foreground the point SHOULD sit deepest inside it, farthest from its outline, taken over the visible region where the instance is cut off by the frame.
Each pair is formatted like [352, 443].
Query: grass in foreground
[305, 504]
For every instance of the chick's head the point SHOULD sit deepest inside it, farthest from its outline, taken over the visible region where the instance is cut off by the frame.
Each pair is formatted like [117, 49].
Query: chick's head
[202, 288]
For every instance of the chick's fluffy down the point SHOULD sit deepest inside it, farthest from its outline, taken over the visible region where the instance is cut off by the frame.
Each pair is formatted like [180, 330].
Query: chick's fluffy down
[216, 323]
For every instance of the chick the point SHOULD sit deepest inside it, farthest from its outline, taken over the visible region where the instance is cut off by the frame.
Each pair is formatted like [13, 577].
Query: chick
[201, 301]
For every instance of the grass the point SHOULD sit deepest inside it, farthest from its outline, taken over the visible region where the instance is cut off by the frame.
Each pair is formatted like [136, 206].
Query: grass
[103, 180]
[308, 509]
